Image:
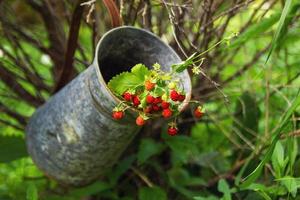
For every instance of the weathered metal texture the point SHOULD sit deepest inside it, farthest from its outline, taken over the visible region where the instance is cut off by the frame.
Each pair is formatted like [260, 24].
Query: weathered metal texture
[72, 137]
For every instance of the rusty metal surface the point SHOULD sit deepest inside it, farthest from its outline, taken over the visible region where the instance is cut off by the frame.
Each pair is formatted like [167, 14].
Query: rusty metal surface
[72, 137]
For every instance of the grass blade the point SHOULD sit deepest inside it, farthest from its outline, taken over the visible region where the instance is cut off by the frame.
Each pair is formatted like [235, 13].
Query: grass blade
[282, 22]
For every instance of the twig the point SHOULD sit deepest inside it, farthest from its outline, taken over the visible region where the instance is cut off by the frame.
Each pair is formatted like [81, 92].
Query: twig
[68, 69]
[142, 176]
[295, 133]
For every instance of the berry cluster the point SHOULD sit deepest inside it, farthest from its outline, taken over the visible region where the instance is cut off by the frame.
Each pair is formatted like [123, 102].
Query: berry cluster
[157, 96]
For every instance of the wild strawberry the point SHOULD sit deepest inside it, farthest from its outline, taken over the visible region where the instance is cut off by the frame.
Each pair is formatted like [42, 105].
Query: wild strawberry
[156, 107]
[140, 121]
[149, 85]
[167, 113]
[157, 100]
[181, 97]
[127, 96]
[150, 99]
[148, 109]
[136, 101]
[174, 95]
[172, 131]
[165, 104]
[118, 115]
[198, 112]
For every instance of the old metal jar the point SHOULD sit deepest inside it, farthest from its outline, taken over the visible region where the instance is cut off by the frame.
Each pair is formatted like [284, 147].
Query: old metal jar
[72, 138]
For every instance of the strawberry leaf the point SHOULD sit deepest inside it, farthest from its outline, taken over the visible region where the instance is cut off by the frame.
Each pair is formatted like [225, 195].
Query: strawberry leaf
[122, 82]
[140, 71]
[129, 80]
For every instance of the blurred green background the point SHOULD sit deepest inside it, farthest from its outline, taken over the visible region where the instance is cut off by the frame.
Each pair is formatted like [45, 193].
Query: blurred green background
[250, 93]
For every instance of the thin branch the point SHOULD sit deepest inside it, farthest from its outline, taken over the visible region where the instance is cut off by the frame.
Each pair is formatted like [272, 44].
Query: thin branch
[68, 69]
[142, 176]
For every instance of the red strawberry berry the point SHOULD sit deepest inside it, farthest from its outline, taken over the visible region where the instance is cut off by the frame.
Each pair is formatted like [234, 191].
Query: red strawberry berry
[156, 108]
[149, 85]
[172, 131]
[127, 96]
[118, 115]
[148, 109]
[157, 100]
[165, 104]
[174, 95]
[181, 97]
[140, 121]
[167, 113]
[136, 101]
[198, 112]
[150, 99]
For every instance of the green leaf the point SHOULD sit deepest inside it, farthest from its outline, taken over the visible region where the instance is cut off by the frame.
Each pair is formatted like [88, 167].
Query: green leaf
[206, 198]
[181, 177]
[180, 67]
[282, 22]
[91, 189]
[284, 33]
[140, 71]
[12, 148]
[152, 193]
[183, 148]
[32, 193]
[128, 80]
[148, 148]
[158, 91]
[260, 189]
[290, 183]
[278, 159]
[121, 168]
[224, 188]
[255, 30]
[283, 122]
[123, 82]
[292, 148]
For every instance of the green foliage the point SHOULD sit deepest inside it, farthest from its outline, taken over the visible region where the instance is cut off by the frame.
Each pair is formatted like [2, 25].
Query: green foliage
[283, 23]
[224, 188]
[148, 148]
[12, 148]
[290, 184]
[246, 115]
[206, 198]
[278, 161]
[90, 190]
[255, 30]
[126, 80]
[32, 193]
[152, 193]
[180, 67]
[283, 122]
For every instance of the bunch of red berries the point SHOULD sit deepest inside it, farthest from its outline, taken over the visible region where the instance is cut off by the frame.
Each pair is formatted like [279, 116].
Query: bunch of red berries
[155, 98]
